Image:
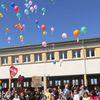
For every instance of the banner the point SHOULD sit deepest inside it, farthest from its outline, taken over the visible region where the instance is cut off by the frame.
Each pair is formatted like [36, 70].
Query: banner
[13, 71]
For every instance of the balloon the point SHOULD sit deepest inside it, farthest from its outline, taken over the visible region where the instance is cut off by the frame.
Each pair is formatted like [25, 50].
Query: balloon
[21, 28]
[26, 11]
[36, 21]
[35, 7]
[1, 15]
[7, 30]
[30, 2]
[64, 35]
[0, 81]
[0, 87]
[9, 38]
[18, 15]
[52, 29]
[2, 6]
[21, 37]
[17, 26]
[44, 44]
[43, 10]
[16, 8]
[13, 4]
[44, 33]
[32, 9]
[43, 27]
[27, 5]
[83, 29]
[76, 33]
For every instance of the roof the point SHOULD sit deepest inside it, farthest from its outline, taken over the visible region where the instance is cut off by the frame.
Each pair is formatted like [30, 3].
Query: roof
[91, 40]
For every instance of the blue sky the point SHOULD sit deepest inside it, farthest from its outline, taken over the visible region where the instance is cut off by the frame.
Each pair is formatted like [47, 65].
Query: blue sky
[64, 15]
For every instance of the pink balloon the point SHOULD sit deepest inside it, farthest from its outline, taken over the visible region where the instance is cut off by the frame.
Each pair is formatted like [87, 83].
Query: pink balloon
[35, 7]
[32, 9]
[64, 35]
[44, 44]
[30, 2]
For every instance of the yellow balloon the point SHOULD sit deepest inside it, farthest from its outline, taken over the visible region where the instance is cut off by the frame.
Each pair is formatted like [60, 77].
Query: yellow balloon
[1, 15]
[44, 33]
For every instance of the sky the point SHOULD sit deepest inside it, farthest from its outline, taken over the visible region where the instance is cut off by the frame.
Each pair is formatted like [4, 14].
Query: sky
[64, 16]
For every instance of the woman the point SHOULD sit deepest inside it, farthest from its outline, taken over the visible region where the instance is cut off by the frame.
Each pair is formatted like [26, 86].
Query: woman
[93, 96]
[86, 96]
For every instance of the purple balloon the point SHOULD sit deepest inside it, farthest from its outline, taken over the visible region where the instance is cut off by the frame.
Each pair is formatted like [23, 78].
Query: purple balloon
[35, 7]
[30, 2]
[32, 9]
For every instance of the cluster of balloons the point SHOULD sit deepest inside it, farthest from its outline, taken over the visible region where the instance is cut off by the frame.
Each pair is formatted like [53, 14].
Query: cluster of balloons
[3, 7]
[43, 27]
[20, 26]
[43, 11]
[30, 7]
[76, 33]
[16, 8]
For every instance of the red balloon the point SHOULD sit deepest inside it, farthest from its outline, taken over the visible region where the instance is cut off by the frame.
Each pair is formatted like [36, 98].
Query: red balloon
[43, 27]
[16, 8]
[22, 28]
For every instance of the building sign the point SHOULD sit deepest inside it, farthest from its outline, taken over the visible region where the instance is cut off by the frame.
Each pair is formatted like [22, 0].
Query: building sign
[36, 81]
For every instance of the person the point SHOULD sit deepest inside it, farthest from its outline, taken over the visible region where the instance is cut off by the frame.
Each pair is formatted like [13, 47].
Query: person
[85, 96]
[66, 91]
[16, 97]
[93, 95]
[76, 95]
[47, 94]
[22, 96]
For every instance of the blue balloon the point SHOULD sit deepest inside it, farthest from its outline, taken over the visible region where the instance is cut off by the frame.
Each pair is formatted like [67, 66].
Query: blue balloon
[36, 21]
[26, 11]
[2, 6]
[13, 4]
[83, 29]
[27, 5]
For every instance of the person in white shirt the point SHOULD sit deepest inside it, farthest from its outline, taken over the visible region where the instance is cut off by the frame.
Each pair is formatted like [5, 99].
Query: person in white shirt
[16, 97]
[76, 95]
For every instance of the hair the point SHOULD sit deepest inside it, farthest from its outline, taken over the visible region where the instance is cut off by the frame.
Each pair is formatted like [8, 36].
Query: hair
[85, 93]
[93, 93]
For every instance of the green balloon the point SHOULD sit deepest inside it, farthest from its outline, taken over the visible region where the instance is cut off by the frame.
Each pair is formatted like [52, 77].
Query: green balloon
[83, 29]
[0, 87]
[18, 15]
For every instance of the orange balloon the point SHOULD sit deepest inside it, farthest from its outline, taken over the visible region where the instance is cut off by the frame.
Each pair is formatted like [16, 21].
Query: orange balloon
[76, 33]
[0, 81]
[7, 30]
[17, 26]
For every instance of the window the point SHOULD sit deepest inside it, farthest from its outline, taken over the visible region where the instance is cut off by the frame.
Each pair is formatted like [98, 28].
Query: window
[12, 84]
[50, 82]
[15, 59]
[63, 54]
[65, 81]
[50, 55]
[26, 58]
[57, 82]
[90, 52]
[93, 81]
[75, 82]
[4, 60]
[38, 57]
[76, 53]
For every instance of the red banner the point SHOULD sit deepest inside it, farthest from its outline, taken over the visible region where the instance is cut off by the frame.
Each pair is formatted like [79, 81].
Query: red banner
[13, 71]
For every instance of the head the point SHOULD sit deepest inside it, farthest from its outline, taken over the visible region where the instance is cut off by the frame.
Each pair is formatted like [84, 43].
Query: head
[93, 93]
[67, 86]
[85, 95]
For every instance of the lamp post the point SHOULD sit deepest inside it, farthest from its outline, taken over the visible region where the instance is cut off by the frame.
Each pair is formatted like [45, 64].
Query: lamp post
[84, 59]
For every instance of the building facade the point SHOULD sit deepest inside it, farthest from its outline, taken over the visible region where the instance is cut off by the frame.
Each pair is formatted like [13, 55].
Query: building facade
[64, 62]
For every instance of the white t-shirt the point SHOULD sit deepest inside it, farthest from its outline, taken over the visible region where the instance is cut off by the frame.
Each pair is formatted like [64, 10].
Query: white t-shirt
[76, 97]
[16, 99]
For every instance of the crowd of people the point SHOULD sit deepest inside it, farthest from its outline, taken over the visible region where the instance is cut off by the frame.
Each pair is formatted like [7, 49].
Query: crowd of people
[68, 93]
